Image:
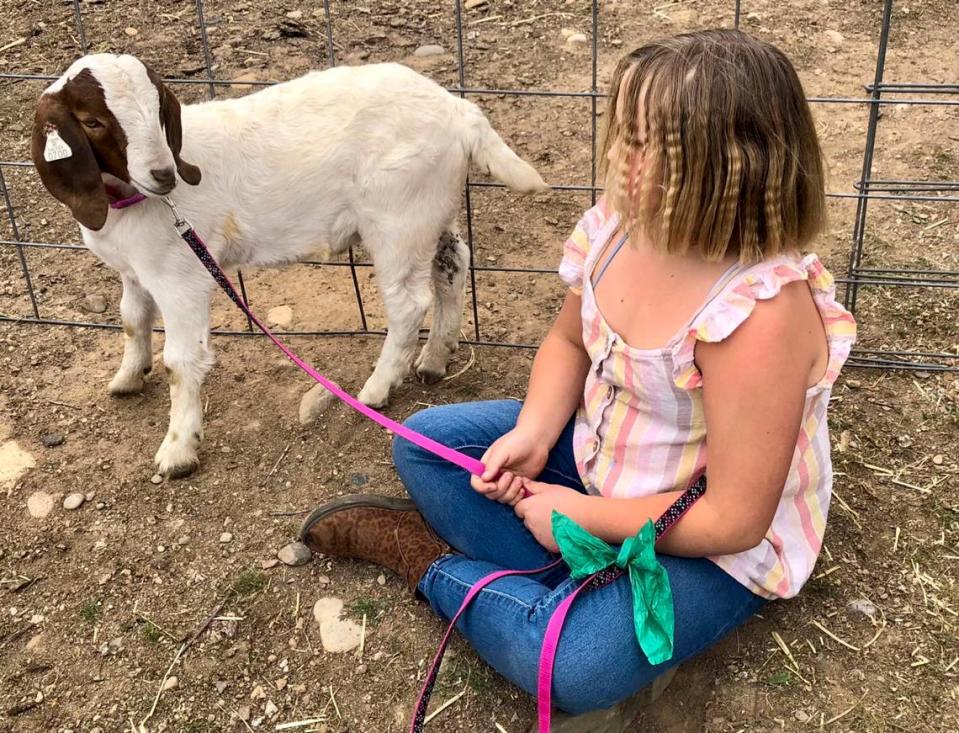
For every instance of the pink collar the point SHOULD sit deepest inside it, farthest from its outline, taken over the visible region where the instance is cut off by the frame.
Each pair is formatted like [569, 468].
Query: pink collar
[121, 203]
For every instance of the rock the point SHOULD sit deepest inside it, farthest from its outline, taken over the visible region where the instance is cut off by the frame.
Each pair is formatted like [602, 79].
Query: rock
[267, 564]
[937, 460]
[323, 580]
[171, 683]
[280, 317]
[52, 440]
[577, 38]
[835, 37]
[473, 4]
[359, 479]
[863, 607]
[295, 14]
[314, 403]
[802, 716]
[226, 537]
[40, 504]
[258, 693]
[94, 303]
[429, 50]
[381, 579]
[243, 713]
[156, 479]
[270, 709]
[327, 608]
[74, 501]
[237, 85]
[131, 31]
[295, 553]
[220, 685]
[853, 383]
[14, 462]
[340, 635]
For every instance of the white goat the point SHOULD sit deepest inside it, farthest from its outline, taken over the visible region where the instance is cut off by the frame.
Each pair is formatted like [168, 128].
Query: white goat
[375, 154]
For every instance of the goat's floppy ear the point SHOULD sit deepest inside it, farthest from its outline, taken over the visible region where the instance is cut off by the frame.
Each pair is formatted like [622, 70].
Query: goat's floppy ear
[66, 164]
[170, 117]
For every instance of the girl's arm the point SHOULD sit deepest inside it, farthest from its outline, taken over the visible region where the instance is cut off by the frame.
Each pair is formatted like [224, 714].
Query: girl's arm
[754, 385]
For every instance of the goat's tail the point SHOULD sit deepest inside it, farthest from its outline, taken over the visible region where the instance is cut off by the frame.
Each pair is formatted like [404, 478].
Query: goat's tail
[487, 149]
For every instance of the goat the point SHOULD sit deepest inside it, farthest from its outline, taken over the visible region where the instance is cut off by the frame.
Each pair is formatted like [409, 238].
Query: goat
[376, 154]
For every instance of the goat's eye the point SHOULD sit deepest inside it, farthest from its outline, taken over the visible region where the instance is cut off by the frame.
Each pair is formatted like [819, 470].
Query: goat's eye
[92, 124]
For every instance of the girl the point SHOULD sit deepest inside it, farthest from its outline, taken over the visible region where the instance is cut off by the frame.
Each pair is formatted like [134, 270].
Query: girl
[694, 340]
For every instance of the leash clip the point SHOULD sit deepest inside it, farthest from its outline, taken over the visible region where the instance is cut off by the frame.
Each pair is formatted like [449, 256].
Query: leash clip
[181, 225]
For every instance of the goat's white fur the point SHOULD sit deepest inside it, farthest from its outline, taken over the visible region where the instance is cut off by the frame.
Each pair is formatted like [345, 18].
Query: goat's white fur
[377, 154]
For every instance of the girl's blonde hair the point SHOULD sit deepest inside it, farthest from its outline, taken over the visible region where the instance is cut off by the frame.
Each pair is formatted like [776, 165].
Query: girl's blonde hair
[731, 163]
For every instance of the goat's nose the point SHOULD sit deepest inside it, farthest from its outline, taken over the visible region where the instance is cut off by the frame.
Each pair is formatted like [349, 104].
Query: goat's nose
[166, 177]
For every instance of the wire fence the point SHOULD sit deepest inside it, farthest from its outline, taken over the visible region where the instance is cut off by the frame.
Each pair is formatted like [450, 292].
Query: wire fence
[877, 94]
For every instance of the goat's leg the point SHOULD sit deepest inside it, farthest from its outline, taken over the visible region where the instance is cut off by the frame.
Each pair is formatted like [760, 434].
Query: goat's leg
[406, 295]
[449, 287]
[137, 311]
[187, 358]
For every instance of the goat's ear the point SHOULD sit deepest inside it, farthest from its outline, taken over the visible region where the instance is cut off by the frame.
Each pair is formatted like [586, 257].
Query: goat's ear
[170, 118]
[66, 164]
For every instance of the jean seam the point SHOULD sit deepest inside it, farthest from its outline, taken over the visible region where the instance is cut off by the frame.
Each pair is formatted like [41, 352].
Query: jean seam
[488, 590]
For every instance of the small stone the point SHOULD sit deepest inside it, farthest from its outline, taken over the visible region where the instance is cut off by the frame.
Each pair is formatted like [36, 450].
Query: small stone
[267, 564]
[14, 462]
[314, 403]
[326, 609]
[156, 479]
[340, 635]
[183, 540]
[473, 4]
[280, 317]
[52, 440]
[237, 82]
[280, 684]
[226, 537]
[94, 303]
[863, 607]
[220, 685]
[323, 580]
[40, 504]
[131, 31]
[361, 669]
[269, 710]
[74, 501]
[171, 683]
[359, 479]
[577, 38]
[258, 693]
[381, 579]
[295, 553]
[429, 50]
[802, 716]
[835, 37]
[243, 713]
[567, 32]
[937, 460]
[295, 14]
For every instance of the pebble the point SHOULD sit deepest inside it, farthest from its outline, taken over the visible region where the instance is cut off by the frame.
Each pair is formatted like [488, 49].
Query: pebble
[314, 403]
[280, 317]
[853, 383]
[74, 500]
[295, 553]
[94, 303]
[381, 579]
[471, 4]
[802, 716]
[40, 504]
[131, 31]
[862, 606]
[280, 683]
[258, 693]
[156, 479]
[171, 683]
[835, 37]
[267, 564]
[577, 38]
[220, 686]
[429, 50]
[243, 713]
[340, 635]
[327, 608]
[295, 14]
[359, 479]
[238, 84]
[52, 440]
[226, 537]
[14, 462]
[323, 580]
[937, 460]
[270, 709]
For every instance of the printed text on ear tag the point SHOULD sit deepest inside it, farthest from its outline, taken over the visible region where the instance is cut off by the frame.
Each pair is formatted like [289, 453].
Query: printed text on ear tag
[56, 148]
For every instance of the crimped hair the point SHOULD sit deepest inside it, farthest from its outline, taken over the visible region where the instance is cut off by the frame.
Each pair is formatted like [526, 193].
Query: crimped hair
[731, 163]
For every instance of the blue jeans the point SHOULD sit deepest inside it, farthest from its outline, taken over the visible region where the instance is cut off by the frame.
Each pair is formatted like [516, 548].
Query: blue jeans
[599, 662]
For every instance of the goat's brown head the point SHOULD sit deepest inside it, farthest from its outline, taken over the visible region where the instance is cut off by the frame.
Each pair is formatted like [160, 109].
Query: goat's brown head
[108, 120]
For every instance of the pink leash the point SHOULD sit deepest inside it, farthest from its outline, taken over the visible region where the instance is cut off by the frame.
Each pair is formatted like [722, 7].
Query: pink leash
[555, 625]
[189, 235]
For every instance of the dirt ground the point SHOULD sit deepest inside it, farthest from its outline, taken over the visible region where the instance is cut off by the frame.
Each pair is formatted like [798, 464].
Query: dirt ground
[96, 602]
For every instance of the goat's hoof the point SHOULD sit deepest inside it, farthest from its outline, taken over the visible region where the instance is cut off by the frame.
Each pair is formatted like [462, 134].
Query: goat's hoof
[430, 374]
[126, 383]
[375, 398]
[176, 461]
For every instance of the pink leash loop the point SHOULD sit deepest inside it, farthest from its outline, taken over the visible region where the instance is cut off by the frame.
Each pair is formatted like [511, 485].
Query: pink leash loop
[462, 460]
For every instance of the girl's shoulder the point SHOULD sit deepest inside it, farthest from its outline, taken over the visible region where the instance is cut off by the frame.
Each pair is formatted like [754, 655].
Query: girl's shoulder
[591, 232]
[735, 302]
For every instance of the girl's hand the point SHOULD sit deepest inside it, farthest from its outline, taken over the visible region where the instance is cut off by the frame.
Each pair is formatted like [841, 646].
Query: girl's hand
[517, 454]
[536, 509]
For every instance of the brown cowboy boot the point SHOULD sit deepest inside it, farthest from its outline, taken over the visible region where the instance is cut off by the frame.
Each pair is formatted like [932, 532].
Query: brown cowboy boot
[380, 529]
